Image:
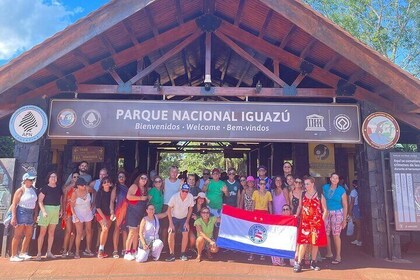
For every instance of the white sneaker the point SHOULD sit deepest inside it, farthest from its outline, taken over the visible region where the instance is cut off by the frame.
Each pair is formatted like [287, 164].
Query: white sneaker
[16, 259]
[25, 256]
[129, 257]
[354, 242]
[359, 243]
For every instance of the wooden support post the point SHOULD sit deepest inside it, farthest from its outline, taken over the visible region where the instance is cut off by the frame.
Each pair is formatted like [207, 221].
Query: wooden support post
[207, 77]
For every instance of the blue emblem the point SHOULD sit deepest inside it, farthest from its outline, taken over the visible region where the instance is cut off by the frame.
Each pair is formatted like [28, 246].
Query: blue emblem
[257, 234]
[66, 118]
[28, 124]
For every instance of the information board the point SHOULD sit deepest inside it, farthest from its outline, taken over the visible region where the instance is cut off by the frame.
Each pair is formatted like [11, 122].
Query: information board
[405, 170]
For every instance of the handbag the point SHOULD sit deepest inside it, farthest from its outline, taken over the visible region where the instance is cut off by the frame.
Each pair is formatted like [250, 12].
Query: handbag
[350, 228]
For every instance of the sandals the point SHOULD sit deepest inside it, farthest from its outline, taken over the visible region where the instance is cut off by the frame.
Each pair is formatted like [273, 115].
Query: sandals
[336, 261]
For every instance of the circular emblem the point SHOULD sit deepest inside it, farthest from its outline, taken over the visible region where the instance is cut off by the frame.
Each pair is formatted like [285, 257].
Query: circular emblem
[342, 123]
[91, 118]
[381, 131]
[257, 234]
[66, 118]
[28, 124]
[321, 152]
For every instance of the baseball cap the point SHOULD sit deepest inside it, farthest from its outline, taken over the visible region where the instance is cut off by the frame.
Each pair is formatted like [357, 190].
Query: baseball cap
[250, 178]
[81, 182]
[262, 167]
[215, 170]
[185, 187]
[30, 175]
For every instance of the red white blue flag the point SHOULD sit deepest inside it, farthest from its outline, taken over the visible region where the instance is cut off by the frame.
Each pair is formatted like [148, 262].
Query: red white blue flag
[258, 233]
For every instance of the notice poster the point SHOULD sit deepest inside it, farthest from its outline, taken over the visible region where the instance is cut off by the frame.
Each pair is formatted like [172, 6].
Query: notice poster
[405, 170]
[321, 159]
[7, 169]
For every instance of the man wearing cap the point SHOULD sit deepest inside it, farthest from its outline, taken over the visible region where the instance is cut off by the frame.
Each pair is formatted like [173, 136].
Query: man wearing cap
[233, 187]
[262, 175]
[179, 213]
[215, 188]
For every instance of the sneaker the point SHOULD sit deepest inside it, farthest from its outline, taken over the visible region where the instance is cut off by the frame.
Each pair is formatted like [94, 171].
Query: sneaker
[115, 255]
[297, 267]
[128, 257]
[76, 256]
[314, 266]
[102, 254]
[354, 242]
[171, 258]
[87, 253]
[25, 256]
[50, 256]
[359, 243]
[16, 259]
[183, 257]
[64, 254]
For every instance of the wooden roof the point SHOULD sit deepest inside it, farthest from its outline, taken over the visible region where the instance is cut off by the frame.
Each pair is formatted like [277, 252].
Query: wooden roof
[286, 47]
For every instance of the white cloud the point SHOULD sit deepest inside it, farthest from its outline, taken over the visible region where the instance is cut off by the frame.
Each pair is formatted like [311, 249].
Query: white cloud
[25, 23]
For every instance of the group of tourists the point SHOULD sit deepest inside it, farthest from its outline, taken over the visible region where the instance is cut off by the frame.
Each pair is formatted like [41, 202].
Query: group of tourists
[148, 213]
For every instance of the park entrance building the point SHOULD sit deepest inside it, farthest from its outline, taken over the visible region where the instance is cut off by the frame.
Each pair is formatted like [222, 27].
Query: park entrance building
[275, 65]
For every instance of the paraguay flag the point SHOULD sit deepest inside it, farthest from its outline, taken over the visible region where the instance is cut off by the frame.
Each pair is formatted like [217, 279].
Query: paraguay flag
[258, 233]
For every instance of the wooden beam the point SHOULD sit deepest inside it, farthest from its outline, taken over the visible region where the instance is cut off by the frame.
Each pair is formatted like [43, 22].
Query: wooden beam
[331, 62]
[356, 76]
[166, 56]
[276, 69]
[249, 58]
[104, 40]
[199, 91]
[55, 70]
[239, 12]
[156, 33]
[266, 22]
[129, 32]
[116, 77]
[341, 42]
[80, 56]
[207, 71]
[308, 48]
[287, 37]
[209, 6]
[121, 59]
[298, 80]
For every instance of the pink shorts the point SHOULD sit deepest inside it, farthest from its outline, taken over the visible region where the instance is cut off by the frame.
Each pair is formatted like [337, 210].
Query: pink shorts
[334, 220]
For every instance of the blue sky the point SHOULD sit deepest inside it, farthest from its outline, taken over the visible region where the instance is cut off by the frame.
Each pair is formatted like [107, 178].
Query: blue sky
[26, 23]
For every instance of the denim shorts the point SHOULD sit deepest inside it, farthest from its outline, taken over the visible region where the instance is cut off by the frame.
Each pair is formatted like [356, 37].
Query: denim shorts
[24, 216]
[179, 224]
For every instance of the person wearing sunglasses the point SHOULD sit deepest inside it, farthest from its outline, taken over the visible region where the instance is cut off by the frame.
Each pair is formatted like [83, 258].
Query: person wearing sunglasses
[119, 211]
[311, 230]
[66, 222]
[262, 175]
[103, 213]
[280, 195]
[191, 181]
[233, 187]
[204, 178]
[156, 194]
[286, 210]
[296, 194]
[137, 201]
[180, 208]
[205, 230]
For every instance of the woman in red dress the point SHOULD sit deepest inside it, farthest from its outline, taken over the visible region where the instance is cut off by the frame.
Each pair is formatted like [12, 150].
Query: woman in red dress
[313, 211]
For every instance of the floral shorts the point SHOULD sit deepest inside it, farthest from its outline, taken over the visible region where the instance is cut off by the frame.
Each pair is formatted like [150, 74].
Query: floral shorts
[334, 220]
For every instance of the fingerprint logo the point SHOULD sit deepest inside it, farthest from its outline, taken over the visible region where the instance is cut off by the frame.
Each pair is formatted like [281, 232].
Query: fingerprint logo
[28, 122]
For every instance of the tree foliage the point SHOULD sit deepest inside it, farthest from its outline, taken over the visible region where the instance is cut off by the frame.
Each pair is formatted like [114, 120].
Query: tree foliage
[7, 146]
[391, 27]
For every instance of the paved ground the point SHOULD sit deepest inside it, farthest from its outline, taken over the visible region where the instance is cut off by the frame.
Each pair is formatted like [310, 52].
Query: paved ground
[355, 265]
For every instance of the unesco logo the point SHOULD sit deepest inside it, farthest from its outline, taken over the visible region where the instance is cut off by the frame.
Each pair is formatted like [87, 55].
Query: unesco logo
[342, 123]
[257, 234]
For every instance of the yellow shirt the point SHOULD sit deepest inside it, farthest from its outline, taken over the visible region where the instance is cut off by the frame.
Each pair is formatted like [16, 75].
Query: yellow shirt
[261, 201]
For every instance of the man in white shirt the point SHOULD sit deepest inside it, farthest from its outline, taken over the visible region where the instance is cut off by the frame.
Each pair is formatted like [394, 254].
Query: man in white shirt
[179, 213]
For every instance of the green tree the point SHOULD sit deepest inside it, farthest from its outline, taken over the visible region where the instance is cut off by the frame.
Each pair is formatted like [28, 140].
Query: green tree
[391, 27]
[7, 146]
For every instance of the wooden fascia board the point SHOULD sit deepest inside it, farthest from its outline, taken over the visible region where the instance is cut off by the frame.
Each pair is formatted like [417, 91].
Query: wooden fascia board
[343, 43]
[67, 40]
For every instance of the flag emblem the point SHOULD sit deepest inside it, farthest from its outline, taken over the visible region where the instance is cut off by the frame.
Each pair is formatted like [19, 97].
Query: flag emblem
[257, 233]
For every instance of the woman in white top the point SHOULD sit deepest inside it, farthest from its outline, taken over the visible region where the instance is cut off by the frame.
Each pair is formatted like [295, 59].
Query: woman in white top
[149, 235]
[82, 214]
[23, 205]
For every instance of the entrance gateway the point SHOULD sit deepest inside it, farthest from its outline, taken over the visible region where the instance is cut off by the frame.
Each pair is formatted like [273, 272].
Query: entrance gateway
[225, 70]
